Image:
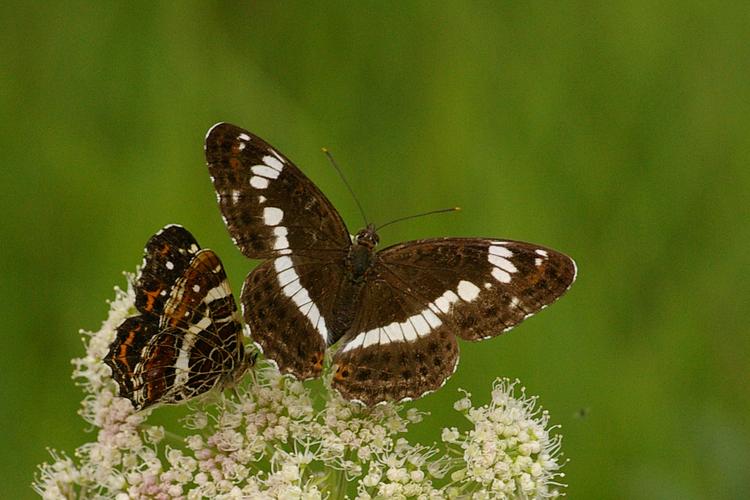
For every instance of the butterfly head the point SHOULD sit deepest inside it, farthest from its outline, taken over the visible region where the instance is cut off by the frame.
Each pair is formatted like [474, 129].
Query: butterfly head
[367, 237]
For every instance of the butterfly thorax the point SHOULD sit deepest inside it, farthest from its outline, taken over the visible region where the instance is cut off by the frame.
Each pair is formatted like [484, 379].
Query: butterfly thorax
[362, 253]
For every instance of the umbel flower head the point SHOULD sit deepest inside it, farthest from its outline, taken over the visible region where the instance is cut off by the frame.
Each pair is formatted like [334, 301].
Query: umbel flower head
[272, 440]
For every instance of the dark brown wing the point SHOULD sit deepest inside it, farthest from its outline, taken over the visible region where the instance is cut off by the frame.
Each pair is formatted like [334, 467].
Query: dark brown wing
[199, 343]
[125, 351]
[424, 293]
[191, 342]
[484, 286]
[166, 257]
[397, 349]
[273, 211]
[288, 304]
[269, 206]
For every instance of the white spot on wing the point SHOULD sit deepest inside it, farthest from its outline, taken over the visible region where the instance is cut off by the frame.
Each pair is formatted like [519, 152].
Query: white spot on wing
[500, 275]
[282, 263]
[243, 137]
[444, 301]
[431, 318]
[281, 243]
[272, 215]
[292, 288]
[218, 292]
[468, 291]
[302, 297]
[273, 163]
[541, 252]
[321, 327]
[314, 314]
[408, 331]
[265, 171]
[258, 182]
[420, 325]
[502, 263]
[393, 332]
[306, 309]
[371, 337]
[497, 249]
[170, 265]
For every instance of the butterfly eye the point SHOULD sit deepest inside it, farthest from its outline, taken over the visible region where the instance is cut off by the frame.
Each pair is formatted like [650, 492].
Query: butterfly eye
[368, 237]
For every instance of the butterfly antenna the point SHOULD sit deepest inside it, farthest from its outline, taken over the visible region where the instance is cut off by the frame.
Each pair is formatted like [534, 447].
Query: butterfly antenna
[442, 210]
[346, 183]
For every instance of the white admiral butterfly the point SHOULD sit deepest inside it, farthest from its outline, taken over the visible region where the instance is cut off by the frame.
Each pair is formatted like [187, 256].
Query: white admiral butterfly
[395, 313]
[186, 338]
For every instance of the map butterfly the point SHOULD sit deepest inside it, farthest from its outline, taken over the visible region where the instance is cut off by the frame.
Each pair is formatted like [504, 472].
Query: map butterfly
[396, 313]
[186, 337]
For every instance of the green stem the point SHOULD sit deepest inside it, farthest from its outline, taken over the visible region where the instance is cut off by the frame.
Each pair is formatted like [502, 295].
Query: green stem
[339, 482]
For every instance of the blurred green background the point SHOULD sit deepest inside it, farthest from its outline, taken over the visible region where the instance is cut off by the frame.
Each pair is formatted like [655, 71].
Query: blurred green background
[616, 132]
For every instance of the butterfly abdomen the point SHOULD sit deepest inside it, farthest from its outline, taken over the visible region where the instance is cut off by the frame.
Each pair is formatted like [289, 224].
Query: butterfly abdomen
[358, 264]
[360, 261]
[346, 306]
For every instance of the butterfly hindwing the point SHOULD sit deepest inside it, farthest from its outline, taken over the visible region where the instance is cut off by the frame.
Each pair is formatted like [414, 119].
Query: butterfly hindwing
[289, 313]
[125, 352]
[270, 207]
[397, 348]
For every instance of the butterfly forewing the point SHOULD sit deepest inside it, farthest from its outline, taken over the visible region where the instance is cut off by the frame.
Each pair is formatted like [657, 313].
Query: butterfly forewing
[483, 286]
[270, 207]
[166, 257]
[187, 338]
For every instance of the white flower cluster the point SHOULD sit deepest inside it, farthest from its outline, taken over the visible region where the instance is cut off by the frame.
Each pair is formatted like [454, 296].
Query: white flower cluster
[274, 440]
[509, 452]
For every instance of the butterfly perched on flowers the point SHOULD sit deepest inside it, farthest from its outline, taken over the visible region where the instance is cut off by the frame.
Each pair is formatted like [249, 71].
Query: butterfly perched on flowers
[186, 336]
[395, 313]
